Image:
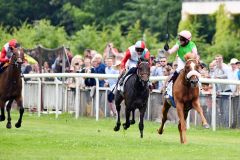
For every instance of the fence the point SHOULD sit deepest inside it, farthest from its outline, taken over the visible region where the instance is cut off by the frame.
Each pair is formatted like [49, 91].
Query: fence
[55, 96]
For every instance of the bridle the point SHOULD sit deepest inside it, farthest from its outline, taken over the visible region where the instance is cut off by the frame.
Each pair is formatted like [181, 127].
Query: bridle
[192, 72]
[17, 57]
[140, 75]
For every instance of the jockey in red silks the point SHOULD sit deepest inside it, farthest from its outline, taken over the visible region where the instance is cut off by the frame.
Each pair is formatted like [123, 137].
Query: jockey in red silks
[6, 51]
[133, 55]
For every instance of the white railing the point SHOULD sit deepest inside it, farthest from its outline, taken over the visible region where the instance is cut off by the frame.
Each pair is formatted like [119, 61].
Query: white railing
[106, 76]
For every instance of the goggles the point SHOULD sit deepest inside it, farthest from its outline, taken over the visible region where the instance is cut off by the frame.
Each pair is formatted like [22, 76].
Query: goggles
[139, 50]
[182, 39]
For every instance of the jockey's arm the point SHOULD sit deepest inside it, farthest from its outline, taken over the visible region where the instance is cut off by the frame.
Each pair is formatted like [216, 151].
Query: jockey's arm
[125, 59]
[173, 49]
[3, 56]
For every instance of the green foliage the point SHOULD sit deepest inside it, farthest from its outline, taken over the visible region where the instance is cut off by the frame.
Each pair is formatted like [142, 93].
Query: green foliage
[25, 35]
[49, 36]
[5, 36]
[88, 37]
[74, 18]
[135, 33]
[226, 39]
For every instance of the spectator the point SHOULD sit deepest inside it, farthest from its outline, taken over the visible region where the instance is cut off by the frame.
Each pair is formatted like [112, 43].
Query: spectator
[87, 54]
[99, 67]
[111, 83]
[232, 75]
[174, 67]
[220, 72]
[110, 51]
[46, 69]
[158, 71]
[89, 82]
[76, 66]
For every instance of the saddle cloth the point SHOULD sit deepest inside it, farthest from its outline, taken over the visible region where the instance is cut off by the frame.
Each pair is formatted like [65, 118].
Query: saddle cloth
[121, 87]
[169, 94]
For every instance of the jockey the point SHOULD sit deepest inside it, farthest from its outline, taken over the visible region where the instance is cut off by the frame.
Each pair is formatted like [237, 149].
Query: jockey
[6, 51]
[131, 59]
[183, 46]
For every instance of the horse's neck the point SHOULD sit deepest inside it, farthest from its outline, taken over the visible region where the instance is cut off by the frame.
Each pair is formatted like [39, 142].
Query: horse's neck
[182, 77]
[13, 72]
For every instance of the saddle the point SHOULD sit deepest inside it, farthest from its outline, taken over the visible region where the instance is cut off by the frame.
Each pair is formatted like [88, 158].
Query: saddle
[121, 87]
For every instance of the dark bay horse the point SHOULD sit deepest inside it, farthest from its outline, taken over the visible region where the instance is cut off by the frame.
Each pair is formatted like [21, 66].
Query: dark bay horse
[186, 97]
[11, 86]
[136, 92]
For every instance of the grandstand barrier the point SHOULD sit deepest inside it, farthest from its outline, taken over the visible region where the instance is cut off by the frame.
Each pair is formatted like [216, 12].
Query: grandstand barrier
[54, 96]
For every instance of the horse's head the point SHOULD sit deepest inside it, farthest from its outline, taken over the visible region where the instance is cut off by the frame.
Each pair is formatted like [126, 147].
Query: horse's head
[191, 71]
[17, 56]
[143, 71]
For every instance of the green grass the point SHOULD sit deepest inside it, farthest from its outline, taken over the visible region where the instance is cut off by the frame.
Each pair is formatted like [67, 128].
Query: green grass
[47, 138]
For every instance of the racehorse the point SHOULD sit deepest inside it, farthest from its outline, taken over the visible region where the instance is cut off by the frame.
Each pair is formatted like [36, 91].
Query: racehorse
[135, 94]
[11, 86]
[186, 97]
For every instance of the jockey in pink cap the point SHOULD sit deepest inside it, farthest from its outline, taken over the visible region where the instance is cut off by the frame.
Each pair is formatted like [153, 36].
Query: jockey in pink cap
[183, 46]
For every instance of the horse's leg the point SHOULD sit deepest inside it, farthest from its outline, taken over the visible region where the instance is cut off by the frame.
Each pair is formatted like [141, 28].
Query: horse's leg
[182, 123]
[21, 111]
[141, 124]
[180, 132]
[9, 105]
[165, 109]
[126, 125]
[198, 108]
[2, 106]
[133, 117]
[118, 101]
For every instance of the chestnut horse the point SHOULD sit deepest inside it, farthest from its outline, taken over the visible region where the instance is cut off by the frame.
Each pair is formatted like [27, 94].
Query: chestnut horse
[135, 94]
[11, 86]
[186, 97]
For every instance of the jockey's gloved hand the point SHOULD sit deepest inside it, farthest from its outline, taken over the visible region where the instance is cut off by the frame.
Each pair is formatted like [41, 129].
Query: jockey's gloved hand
[166, 47]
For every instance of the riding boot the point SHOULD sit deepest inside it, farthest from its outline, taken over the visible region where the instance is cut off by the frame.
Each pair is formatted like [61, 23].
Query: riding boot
[174, 76]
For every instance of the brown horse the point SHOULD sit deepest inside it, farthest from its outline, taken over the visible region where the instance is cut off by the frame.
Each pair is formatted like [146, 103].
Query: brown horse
[11, 86]
[186, 97]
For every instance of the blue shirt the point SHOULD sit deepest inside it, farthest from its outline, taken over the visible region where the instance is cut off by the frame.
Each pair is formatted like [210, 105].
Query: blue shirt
[101, 70]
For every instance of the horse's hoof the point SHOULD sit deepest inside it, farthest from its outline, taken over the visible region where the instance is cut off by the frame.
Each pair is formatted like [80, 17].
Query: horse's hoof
[160, 131]
[116, 128]
[141, 136]
[2, 118]
[206, 126]
[132, 122]
[9, 125]
[126, 126]
[18, 125]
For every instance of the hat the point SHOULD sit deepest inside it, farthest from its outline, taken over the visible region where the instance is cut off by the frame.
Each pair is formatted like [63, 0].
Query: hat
[233, 61]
